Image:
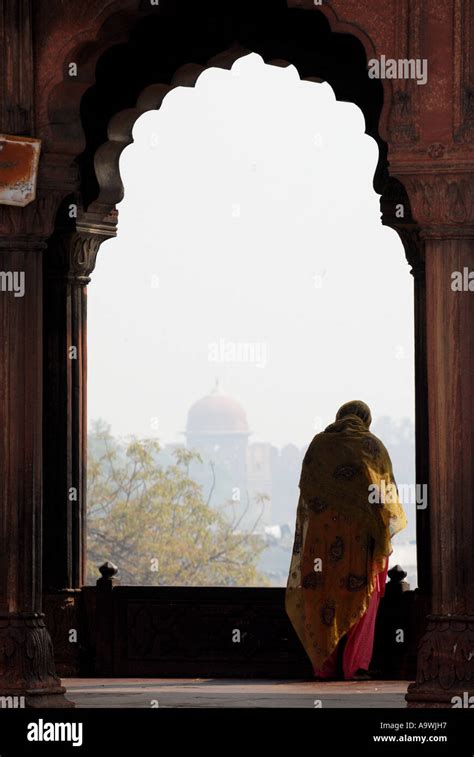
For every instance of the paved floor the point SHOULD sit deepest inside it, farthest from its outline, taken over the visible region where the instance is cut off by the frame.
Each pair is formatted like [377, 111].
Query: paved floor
[199, 692]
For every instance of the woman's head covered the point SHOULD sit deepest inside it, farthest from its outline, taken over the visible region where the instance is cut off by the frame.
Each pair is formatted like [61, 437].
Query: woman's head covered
[355, 407]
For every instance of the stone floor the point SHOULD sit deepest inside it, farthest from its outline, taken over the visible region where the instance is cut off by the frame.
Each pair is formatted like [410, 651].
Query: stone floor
[202, 692]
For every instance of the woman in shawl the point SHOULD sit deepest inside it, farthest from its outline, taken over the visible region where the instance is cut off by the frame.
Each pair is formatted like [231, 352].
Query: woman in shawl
[344, 525]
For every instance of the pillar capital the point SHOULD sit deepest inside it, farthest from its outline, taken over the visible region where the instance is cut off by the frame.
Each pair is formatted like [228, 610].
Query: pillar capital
[441, 198]
[34, 222]
[72, 252]
[76, 258]
[396, 213]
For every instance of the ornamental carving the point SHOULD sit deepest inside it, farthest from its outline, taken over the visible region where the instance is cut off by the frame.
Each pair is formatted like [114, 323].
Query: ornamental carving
[26, 653]
[445, 657]
[463, 71]
[72, 256]
[82, 257]
[438, 199]
[36, 220]
[402, 123]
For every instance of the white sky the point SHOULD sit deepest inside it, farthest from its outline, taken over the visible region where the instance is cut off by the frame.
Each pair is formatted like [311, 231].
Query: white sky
[242, 196]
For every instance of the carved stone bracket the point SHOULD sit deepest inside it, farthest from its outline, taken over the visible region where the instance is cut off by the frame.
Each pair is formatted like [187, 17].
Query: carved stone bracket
[442, 202]
[73, 258]
[397, 213]
[73, 254]
[80, 253]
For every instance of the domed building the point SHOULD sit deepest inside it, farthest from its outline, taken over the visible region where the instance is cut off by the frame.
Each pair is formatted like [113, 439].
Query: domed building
[239, 472]
[217, 428]
[217, 414]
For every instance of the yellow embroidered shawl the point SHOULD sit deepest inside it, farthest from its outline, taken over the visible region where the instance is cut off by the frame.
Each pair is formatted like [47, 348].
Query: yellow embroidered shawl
[342, 536]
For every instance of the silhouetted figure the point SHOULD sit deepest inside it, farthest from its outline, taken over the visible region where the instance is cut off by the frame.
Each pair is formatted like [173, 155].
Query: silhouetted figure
[348, 511]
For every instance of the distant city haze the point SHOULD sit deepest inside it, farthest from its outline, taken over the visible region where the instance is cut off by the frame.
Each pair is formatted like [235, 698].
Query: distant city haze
[250, 249]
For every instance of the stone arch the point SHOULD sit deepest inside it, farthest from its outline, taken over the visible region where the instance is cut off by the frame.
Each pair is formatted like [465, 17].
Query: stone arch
[120, 77]
[120, 126]
[144, 89]
[96, 151]
[62, 97]
[430, 133]
[91, 120]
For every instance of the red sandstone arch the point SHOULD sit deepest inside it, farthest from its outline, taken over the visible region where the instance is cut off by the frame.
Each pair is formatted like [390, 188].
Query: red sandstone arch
[430, 138]
[120, 128]
[58, 97]
[97, 219]
[59, 123]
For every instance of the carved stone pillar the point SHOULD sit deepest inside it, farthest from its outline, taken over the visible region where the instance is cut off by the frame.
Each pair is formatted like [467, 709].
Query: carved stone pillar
[69, 261]
[444, 205]
[26, 652]
[415, 251]
[394, 200]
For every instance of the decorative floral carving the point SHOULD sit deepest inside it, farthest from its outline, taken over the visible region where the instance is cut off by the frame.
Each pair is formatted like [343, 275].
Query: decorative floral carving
[445, 659]
[83, 254]
[436, 150]
[402, 125]
[36, 220]
[26, 653]
[441, 199]
[73, 256]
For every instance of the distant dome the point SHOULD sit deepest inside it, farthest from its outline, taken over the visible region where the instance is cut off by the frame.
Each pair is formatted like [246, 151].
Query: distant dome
[217, 413]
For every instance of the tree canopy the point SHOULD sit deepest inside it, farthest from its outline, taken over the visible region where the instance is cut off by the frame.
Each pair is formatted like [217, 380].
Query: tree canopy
[153, 521]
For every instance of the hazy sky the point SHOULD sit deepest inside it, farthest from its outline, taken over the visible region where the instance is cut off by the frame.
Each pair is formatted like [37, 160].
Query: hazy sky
[250, 226]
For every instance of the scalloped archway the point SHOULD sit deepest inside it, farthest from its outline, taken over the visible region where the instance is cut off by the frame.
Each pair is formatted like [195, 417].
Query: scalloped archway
[118, 48]
[120, 82]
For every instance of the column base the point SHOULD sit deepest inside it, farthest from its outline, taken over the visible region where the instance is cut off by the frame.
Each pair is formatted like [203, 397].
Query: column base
[33, 698]
[27, 674]
[445, 669]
